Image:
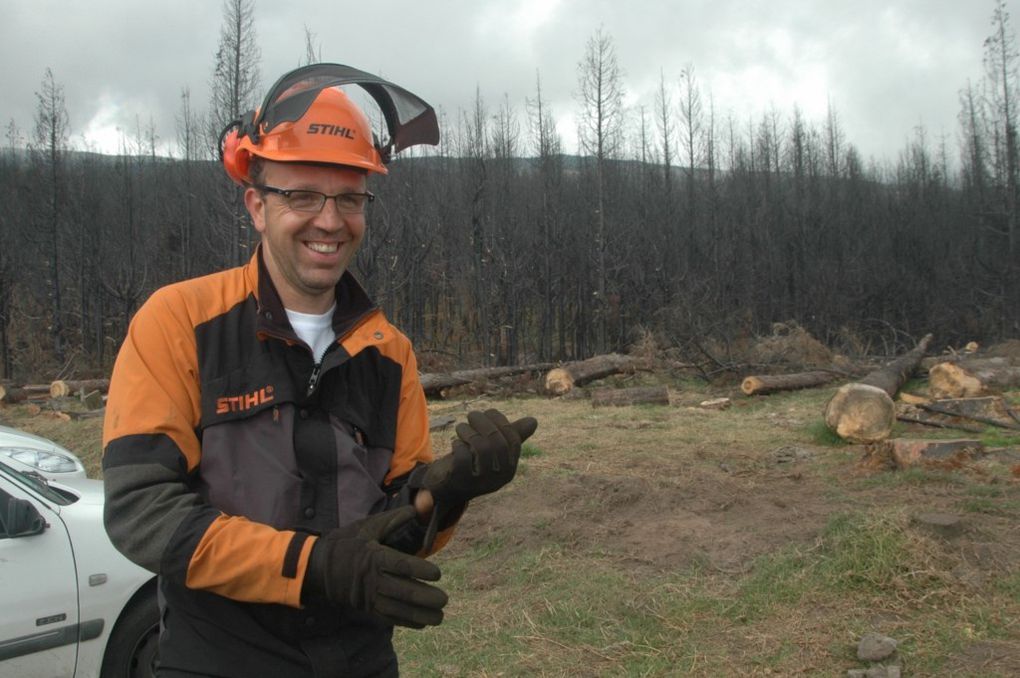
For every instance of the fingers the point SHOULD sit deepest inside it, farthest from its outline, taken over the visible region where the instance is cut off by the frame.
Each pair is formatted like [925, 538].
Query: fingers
[381, 525]
[525, 427]
[413, 593]
[408, 566]
[405, 600]
[406, 614]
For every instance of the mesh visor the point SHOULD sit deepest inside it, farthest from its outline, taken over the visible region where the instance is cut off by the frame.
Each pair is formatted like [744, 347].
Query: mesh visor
[409, 120]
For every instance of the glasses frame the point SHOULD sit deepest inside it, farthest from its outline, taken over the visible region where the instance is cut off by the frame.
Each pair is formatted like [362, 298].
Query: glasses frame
[286, 194]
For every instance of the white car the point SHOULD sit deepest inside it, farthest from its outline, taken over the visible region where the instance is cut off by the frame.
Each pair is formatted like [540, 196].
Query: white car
[70, 604]
[31, 453]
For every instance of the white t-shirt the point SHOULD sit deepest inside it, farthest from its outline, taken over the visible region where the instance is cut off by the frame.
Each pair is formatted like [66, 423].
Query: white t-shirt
[316, 330]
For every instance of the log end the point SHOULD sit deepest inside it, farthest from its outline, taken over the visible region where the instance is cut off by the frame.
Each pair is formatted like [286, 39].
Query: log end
[860, 413]
[751, 385]
[948, 380]
[59, 389]
[558, 381]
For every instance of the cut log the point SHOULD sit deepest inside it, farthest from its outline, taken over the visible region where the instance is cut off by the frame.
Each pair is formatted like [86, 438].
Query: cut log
[433, 384]
[860, 413]
[864, 411]
[11, 394]
[909, 452]
[991, 410]
[764, 384]
[893, 375]
[639, 395]
[973, 378]
[915, 415]
[561, 379]
[62, 389]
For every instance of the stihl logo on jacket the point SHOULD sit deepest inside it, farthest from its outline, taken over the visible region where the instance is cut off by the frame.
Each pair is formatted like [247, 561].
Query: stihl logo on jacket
[244, 402]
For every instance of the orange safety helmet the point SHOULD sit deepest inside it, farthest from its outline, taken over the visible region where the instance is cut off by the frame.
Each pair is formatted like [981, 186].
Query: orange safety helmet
[306, 117]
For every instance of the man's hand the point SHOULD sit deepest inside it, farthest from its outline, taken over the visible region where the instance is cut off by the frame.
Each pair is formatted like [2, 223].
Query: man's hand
[350, 566]
[484, 458]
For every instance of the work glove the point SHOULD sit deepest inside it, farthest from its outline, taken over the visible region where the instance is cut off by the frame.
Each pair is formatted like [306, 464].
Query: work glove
[349, 566]
[483, 459]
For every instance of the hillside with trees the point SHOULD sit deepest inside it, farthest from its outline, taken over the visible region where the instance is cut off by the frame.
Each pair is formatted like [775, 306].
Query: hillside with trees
[497, 247]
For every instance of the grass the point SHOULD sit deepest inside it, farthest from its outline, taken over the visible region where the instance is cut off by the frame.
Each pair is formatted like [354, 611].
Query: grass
[531, 598]
[558, 613]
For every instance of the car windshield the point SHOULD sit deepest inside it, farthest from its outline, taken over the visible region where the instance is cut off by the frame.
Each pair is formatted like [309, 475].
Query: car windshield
[38, 484]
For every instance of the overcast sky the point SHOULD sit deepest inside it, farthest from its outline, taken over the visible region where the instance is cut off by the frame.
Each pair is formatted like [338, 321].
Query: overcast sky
[886, 65]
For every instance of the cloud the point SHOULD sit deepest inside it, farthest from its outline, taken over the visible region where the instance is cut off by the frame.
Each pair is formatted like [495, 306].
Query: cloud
[886, 65]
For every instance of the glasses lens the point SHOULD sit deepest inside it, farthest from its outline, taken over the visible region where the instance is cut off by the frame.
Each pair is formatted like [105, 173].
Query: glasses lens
[351, 203]
[305, 201]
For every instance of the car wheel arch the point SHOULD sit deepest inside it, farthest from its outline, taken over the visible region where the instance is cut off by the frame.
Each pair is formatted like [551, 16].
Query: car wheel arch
[141, 611]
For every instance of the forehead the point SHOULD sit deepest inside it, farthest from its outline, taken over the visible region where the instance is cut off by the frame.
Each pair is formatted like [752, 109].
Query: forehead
[315, 176]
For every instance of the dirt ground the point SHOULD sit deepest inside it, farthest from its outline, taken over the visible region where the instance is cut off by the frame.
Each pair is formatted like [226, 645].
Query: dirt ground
[651, 491]
[658, 490]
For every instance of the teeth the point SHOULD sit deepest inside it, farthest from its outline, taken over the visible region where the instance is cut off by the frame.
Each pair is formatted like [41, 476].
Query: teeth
[324, 247]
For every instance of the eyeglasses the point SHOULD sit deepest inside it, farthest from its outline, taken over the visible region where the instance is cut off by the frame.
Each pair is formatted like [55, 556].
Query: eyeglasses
[312, 201]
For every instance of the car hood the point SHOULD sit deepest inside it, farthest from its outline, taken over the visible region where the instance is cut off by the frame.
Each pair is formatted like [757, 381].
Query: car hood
[88, 491]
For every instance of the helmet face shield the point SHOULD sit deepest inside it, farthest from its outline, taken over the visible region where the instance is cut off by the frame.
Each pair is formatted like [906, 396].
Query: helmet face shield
[305, 117]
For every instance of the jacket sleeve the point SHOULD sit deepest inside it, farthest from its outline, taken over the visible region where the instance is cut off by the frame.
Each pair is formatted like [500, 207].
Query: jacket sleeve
[151, 451]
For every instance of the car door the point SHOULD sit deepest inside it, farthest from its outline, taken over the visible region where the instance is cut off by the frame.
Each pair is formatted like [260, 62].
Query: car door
[39, 627]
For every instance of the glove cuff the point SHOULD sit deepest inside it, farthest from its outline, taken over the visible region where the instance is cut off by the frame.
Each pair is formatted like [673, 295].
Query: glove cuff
[312, 588]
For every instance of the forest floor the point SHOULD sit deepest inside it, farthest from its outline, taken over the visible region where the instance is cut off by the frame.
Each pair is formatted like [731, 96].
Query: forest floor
[676, 540]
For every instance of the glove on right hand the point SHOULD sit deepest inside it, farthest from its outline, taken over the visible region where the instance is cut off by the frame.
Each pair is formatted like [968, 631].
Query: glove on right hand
[349, 566]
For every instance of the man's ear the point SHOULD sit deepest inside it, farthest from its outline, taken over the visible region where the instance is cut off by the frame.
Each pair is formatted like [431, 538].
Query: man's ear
[255, 202]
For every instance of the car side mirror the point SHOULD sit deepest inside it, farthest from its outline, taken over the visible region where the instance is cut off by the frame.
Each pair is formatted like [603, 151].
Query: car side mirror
[22, 519]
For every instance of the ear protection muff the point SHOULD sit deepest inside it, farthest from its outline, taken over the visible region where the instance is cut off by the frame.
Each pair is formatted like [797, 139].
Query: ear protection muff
[235, 160]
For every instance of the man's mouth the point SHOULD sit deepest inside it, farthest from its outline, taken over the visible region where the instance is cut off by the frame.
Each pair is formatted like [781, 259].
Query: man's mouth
[323, 247]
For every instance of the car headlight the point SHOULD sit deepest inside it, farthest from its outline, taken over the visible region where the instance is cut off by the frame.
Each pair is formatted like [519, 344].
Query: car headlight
[50, 462]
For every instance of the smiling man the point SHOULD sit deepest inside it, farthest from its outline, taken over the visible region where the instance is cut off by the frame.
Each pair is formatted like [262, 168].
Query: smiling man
[266, 444]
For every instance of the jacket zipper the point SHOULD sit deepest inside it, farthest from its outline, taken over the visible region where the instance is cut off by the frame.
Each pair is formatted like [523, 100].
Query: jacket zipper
[314, 378]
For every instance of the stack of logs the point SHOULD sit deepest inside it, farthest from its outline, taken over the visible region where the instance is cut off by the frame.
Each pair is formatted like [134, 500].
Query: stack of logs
[90, 389]
[963, 395]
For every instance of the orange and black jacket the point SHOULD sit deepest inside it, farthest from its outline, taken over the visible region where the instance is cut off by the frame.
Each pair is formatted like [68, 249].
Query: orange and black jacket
[227, 449]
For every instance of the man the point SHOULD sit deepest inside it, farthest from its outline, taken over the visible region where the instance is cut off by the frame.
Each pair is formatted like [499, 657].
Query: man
[266, 443]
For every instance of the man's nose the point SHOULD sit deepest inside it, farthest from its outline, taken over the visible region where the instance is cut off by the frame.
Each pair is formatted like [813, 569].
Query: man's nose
[330, 216]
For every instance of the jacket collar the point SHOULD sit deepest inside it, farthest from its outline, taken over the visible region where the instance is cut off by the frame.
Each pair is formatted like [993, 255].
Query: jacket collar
[352, 302]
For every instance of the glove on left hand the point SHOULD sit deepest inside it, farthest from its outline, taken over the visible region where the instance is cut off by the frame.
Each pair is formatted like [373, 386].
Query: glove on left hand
[483, 459]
